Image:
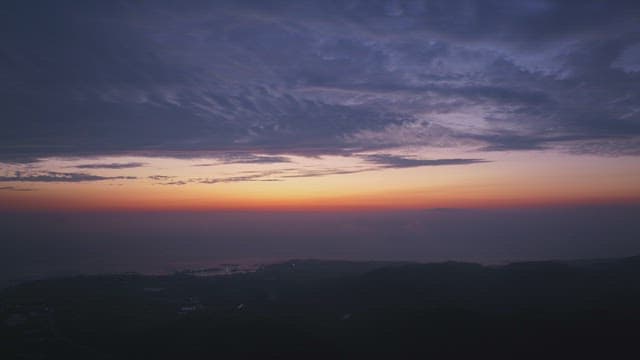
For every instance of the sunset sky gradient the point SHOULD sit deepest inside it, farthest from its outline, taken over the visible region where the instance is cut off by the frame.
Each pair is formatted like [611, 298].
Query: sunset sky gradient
[318, 105]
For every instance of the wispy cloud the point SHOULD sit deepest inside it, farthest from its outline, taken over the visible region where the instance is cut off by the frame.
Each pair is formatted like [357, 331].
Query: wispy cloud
[160, 177]
[51, 176]
[244, 158]
[253, 159]
[375, 162]
[303, 173]
[269, 176]
[128, 165]
[393, 161]
[177, 182]
[13, 188]
[258, 176]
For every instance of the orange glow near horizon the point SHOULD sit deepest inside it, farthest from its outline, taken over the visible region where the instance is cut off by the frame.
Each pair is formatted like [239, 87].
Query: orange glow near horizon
[508, 180]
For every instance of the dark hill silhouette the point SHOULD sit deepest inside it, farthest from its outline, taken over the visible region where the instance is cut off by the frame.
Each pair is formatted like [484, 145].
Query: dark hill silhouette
[332, 309]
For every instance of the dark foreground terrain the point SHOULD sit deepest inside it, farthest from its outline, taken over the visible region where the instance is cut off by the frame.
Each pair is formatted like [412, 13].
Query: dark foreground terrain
[330, 309]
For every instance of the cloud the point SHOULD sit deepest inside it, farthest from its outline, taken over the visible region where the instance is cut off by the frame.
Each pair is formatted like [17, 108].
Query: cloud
[111, 165]
[178, 182]
[380, 161]
[273, 175]
[392, 161]
[13, 188]
[258, 176]
[311, 78]
[255, 159]
[51, 176]
[629, 59]
[244, 158]
[249, 176]
[325, 172]
[160, 177]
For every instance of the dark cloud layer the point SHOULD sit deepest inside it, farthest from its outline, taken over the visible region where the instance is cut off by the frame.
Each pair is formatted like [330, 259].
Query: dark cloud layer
[14, 188]
[316, 77]
[51, 176]
[160, 177]
[392, 161]
[111, 166]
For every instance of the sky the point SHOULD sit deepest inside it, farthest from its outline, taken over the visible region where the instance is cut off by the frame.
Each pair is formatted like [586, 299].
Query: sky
[319, 106]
